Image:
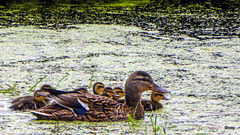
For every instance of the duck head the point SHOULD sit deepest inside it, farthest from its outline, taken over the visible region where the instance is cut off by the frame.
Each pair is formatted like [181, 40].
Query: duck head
[119, 91]
[98, 88]
[38, 96]
[109, 93]
[156, 96]
[136, 84]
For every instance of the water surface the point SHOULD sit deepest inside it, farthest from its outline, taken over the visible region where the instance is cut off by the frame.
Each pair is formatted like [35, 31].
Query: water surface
[203, 76]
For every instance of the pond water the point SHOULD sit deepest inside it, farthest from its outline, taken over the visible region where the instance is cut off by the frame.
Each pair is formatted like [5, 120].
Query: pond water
[203, 76]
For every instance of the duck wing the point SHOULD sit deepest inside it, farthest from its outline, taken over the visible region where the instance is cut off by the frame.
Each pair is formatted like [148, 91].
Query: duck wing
[22, 98]
[24, 105]
[82, 107]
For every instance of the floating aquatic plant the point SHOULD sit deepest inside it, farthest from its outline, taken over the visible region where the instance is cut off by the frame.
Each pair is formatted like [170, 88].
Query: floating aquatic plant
[31, 89]
[62, 79]
[10, 89]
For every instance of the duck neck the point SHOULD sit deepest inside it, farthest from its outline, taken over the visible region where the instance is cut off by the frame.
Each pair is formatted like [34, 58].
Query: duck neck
[116, 98]
[153, 99]
[134, 101]
[96, 93]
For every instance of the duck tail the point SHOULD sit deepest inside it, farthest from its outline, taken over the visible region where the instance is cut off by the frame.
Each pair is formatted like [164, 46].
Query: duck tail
[54, 116]
[40, 115]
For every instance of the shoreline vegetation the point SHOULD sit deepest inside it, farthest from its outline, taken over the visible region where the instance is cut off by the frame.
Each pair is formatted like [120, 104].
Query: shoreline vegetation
[206, 19]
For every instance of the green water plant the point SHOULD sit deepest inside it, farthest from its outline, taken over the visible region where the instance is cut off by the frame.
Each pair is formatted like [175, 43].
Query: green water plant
[10, 89]
[132, 120]
[164, 128]
[155, 128]
[92, 70]
[161, 129]
[154, 125]
[91, 80]
[62, 79]
[31, 89]
[145, 129]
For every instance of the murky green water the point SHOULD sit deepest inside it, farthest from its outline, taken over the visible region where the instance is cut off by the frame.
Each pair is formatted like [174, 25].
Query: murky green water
[203, 76]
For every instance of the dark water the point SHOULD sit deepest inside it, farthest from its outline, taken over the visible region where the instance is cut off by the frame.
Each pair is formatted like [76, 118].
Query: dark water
[202, 20]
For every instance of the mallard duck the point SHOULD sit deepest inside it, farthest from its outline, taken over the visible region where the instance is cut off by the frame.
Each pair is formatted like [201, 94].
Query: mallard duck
[109, 93]
[98, 88]
[30, 102]
[88, 107]
[82, 90]
[120, 92]
[153, 104]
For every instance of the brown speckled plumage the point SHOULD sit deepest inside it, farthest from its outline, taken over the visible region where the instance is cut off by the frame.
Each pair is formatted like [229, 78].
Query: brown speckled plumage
[100, 109]
[30, 102]
[70, 105]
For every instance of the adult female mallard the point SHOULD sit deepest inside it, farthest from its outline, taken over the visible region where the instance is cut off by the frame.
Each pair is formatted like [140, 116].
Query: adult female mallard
[31, 102]
[109, 93]
[153, 104]
[98, 88]
[88, 107]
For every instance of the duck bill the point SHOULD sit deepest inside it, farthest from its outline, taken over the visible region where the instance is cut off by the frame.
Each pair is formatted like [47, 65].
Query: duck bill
[160, 89]
[43, 93]
[164, 98]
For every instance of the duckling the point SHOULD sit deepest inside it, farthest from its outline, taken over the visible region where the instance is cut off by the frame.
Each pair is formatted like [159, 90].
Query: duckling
[153, 104]
[94, 108]
[109, 93]
[21, 98]
[81, 89]
[30, 102]
[98, 88]
[119, 91]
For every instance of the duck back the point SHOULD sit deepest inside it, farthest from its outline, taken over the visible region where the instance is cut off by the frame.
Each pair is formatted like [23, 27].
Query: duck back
[97, 109]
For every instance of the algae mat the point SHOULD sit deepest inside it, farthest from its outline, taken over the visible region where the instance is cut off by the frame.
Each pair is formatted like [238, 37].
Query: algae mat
[203, 76]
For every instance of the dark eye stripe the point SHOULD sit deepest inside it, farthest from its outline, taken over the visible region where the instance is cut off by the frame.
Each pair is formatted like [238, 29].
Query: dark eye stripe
[158, 94]
[110, 91]
[119, 91]
[143, 79]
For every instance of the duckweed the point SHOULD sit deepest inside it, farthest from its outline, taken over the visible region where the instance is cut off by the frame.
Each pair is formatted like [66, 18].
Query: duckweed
[204, 98]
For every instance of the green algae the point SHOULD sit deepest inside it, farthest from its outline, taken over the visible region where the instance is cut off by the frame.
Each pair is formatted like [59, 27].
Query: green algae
[169, 18]
[200, 74]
